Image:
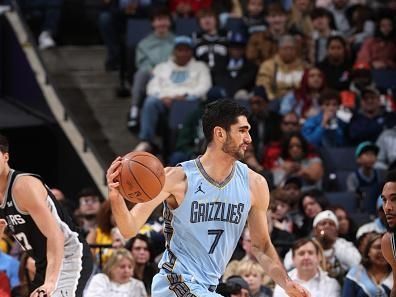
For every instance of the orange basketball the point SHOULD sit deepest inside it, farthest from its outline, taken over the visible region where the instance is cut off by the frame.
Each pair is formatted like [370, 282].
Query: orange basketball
[142, 177]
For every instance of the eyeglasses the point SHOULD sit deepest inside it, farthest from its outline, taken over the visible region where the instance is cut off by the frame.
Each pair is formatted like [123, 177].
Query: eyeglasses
[286, 123]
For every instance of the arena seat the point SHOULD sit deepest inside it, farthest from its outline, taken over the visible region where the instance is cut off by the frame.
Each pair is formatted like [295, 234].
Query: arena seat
[186, 26]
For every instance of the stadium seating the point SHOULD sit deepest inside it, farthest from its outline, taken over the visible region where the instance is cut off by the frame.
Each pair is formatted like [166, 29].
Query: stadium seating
[346, 199]
[186, 26]
[137, 29]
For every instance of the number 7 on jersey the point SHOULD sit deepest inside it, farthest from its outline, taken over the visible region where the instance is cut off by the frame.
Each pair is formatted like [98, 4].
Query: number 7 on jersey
[217, 233]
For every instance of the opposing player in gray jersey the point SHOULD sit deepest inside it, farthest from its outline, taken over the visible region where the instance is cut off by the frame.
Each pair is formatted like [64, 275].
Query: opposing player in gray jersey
[207, 202]
[44, 231]
[388, 243]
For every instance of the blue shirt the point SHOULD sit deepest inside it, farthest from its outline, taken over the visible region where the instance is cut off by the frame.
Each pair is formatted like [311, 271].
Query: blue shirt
[11, 267]
[202, 233]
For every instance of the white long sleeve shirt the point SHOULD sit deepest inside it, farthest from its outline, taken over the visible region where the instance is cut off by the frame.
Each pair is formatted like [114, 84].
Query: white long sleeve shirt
[321, 285]
[171, 80]
[345, 252]
[101, 286]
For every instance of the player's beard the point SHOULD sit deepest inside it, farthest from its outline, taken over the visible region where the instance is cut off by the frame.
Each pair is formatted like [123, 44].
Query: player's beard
[232, 149]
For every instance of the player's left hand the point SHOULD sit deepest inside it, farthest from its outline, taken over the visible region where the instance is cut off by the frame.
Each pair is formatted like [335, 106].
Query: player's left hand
[294, 289]
[43, 291]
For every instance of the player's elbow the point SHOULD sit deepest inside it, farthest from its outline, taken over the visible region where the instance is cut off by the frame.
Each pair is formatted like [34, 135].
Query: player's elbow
[128, 233]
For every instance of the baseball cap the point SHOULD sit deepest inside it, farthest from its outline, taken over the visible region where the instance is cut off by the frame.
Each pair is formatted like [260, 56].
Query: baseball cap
[183, 40]
[260, 91]
[236, 38]
[239, 282]
[370, 89]
[294, 180]
[361, 66]
[366, 146]
[326, 214]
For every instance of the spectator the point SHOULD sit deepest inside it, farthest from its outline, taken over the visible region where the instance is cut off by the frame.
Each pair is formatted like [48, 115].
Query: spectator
[117, 240]
[339, 253]
[235, 286]
[361, 78]
[311, 203]
[281, 207]
[254, 16]
[305, 99]
[368, 122]
[283, 72]
[339, 8]
[49, 14]
[89, 205]
[26, 273]
[387, 148]
[10, 266]
[180, 78]
[336, 65]
[102, 233]
[361, 26]
[253, 273]
[281, 239]
[346, 226]
[188, 8]
[150, 51]
[297, 159]
[365, 177]
[112, 25]
[289, 124]
[292, 188]
[326, 129]
[323, 28]
[307, 257]
[373, 277]
[116, 279]
[144, 269]
[264, 128]
[380, 51]
[236, 74]
[378, 225]
[263, 45]
[300, 19]
[209, 42]
[190, 139]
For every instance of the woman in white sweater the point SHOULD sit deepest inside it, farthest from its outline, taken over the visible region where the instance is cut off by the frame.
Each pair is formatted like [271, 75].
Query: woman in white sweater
[116, 279]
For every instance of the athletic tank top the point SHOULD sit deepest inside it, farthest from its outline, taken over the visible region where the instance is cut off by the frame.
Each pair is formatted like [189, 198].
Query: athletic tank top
[26, 232]
[202, 233]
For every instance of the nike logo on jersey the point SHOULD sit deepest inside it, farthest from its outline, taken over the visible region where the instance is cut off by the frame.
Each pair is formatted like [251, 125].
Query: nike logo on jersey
[9, 204]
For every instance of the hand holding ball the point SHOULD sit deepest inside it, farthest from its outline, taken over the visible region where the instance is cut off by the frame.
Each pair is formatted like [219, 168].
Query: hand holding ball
[142, 177]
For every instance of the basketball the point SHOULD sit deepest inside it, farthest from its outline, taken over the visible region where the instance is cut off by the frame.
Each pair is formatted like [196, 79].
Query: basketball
[142, 177]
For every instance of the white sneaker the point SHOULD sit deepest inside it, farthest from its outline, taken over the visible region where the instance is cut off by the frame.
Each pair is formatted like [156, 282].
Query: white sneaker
[45, 40]
[143, 146]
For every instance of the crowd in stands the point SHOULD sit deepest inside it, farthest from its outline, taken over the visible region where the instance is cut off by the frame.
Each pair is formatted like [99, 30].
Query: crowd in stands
[312, 74]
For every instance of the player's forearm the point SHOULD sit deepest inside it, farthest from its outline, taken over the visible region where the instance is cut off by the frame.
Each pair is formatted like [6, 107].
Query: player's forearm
[269, 260]
[122, 216]
[55, 252]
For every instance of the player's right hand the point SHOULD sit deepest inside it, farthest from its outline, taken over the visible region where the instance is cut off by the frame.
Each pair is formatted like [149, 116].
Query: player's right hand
[294, 289]
[112, 177]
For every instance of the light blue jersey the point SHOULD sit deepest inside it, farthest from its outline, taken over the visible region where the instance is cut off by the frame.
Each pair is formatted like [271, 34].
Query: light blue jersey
[202, 233]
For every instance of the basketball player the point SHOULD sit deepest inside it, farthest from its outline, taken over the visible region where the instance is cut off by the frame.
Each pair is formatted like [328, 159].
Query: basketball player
[206, 204]
[388, 244]
[31, 212]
